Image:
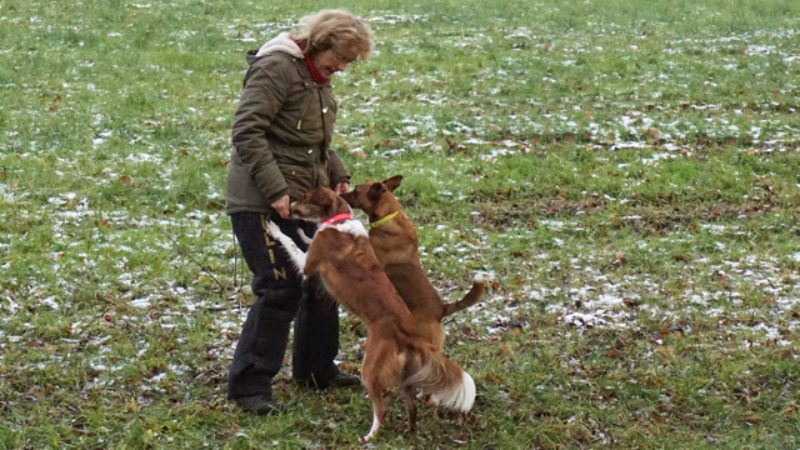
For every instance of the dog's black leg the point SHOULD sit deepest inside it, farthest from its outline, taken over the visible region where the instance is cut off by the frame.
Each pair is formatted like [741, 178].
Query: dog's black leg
[411, 407]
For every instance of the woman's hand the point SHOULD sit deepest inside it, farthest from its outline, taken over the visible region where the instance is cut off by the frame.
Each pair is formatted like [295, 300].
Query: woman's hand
[342, 187]
[281, 206]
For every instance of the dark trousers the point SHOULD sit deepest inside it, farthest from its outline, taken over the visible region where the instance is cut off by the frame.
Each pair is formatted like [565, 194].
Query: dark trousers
[281, 296]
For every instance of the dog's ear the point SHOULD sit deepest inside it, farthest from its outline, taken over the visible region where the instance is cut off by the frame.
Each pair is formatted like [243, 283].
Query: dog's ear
[393, 183]
[351, 198]
[321, 198]
[326, 202]
[375, 191]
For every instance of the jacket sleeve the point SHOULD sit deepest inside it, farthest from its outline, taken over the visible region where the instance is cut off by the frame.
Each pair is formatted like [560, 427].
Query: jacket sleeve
[336, 170]
[262, 96]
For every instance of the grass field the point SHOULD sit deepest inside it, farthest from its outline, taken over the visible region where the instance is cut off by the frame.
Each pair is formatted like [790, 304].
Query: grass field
[628, 171]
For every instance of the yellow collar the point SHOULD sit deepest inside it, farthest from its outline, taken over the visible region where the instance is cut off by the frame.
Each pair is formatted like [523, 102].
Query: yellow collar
[384, 220]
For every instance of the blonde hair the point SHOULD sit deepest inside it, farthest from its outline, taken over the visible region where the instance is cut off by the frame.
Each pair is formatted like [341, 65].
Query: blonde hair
[336, 29]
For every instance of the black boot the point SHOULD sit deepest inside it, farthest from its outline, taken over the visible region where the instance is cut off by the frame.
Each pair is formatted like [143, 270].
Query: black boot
[336, 381]
[259, 404]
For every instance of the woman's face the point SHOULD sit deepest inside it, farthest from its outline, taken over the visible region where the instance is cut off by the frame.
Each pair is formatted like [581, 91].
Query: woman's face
[329, 62]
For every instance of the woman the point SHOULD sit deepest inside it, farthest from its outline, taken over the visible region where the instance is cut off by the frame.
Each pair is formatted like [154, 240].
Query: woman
[281, 137]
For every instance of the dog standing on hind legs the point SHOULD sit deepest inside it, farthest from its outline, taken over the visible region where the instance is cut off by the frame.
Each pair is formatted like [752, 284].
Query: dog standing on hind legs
[396, 353]
[395, 243]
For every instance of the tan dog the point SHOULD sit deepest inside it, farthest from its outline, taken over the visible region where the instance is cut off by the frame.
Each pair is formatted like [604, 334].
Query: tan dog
[395, 242]
[340, 253]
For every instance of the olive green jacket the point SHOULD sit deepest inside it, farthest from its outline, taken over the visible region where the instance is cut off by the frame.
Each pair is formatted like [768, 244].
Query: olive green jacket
[281, 132]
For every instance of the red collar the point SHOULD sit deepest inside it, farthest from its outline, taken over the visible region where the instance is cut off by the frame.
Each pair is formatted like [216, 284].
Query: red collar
[341, 217]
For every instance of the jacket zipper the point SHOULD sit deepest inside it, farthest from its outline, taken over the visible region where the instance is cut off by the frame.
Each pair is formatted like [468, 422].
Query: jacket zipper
[305, 109]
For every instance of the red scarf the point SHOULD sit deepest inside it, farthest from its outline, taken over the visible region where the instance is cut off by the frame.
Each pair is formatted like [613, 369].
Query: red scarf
[314, 72]
[311, 67]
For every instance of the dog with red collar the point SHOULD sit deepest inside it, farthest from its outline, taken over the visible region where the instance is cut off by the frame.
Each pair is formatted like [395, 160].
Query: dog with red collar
[395, 354]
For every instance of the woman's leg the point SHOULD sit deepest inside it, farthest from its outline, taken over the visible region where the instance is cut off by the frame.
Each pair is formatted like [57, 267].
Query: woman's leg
[265, 333]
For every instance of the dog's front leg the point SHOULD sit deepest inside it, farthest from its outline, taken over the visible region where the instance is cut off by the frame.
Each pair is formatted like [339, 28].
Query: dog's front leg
[303, 236]
[297, 256]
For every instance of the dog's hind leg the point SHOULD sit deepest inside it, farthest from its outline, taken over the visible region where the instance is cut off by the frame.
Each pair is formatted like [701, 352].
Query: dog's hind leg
[297, 256]
[381, 369]
[370, 376]
[411, 407]
[378, 414]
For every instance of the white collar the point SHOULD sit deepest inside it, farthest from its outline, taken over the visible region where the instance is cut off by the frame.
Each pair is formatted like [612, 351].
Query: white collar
[352, 226]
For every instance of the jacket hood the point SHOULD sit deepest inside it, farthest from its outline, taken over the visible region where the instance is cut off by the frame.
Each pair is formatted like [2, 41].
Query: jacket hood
[281, 43]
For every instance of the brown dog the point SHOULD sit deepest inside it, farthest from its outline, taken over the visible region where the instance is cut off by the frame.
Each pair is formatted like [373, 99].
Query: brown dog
[340, 253]
[395, 242]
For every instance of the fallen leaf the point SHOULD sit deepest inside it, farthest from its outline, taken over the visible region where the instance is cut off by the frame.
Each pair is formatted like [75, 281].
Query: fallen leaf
[658, 417]
[631, 303]
[665, 350]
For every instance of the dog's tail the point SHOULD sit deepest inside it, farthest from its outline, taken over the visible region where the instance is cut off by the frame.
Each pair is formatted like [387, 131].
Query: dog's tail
[473, 296]
[447, 384]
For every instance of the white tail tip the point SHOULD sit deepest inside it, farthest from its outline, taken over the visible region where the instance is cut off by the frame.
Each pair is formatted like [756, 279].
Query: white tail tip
[484, 277]
[460, 397]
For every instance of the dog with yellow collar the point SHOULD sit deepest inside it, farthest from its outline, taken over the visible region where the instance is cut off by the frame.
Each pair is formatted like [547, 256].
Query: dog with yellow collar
[395, 243]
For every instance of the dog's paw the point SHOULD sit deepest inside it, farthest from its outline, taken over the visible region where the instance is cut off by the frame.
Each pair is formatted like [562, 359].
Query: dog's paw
[273, 229]
[304, 237]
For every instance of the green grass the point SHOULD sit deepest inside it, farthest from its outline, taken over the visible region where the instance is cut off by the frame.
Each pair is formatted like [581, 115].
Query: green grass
[628, 172]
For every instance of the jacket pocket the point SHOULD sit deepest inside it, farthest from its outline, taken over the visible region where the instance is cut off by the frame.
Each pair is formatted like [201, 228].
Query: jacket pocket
[323, 180]
[299, 178]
